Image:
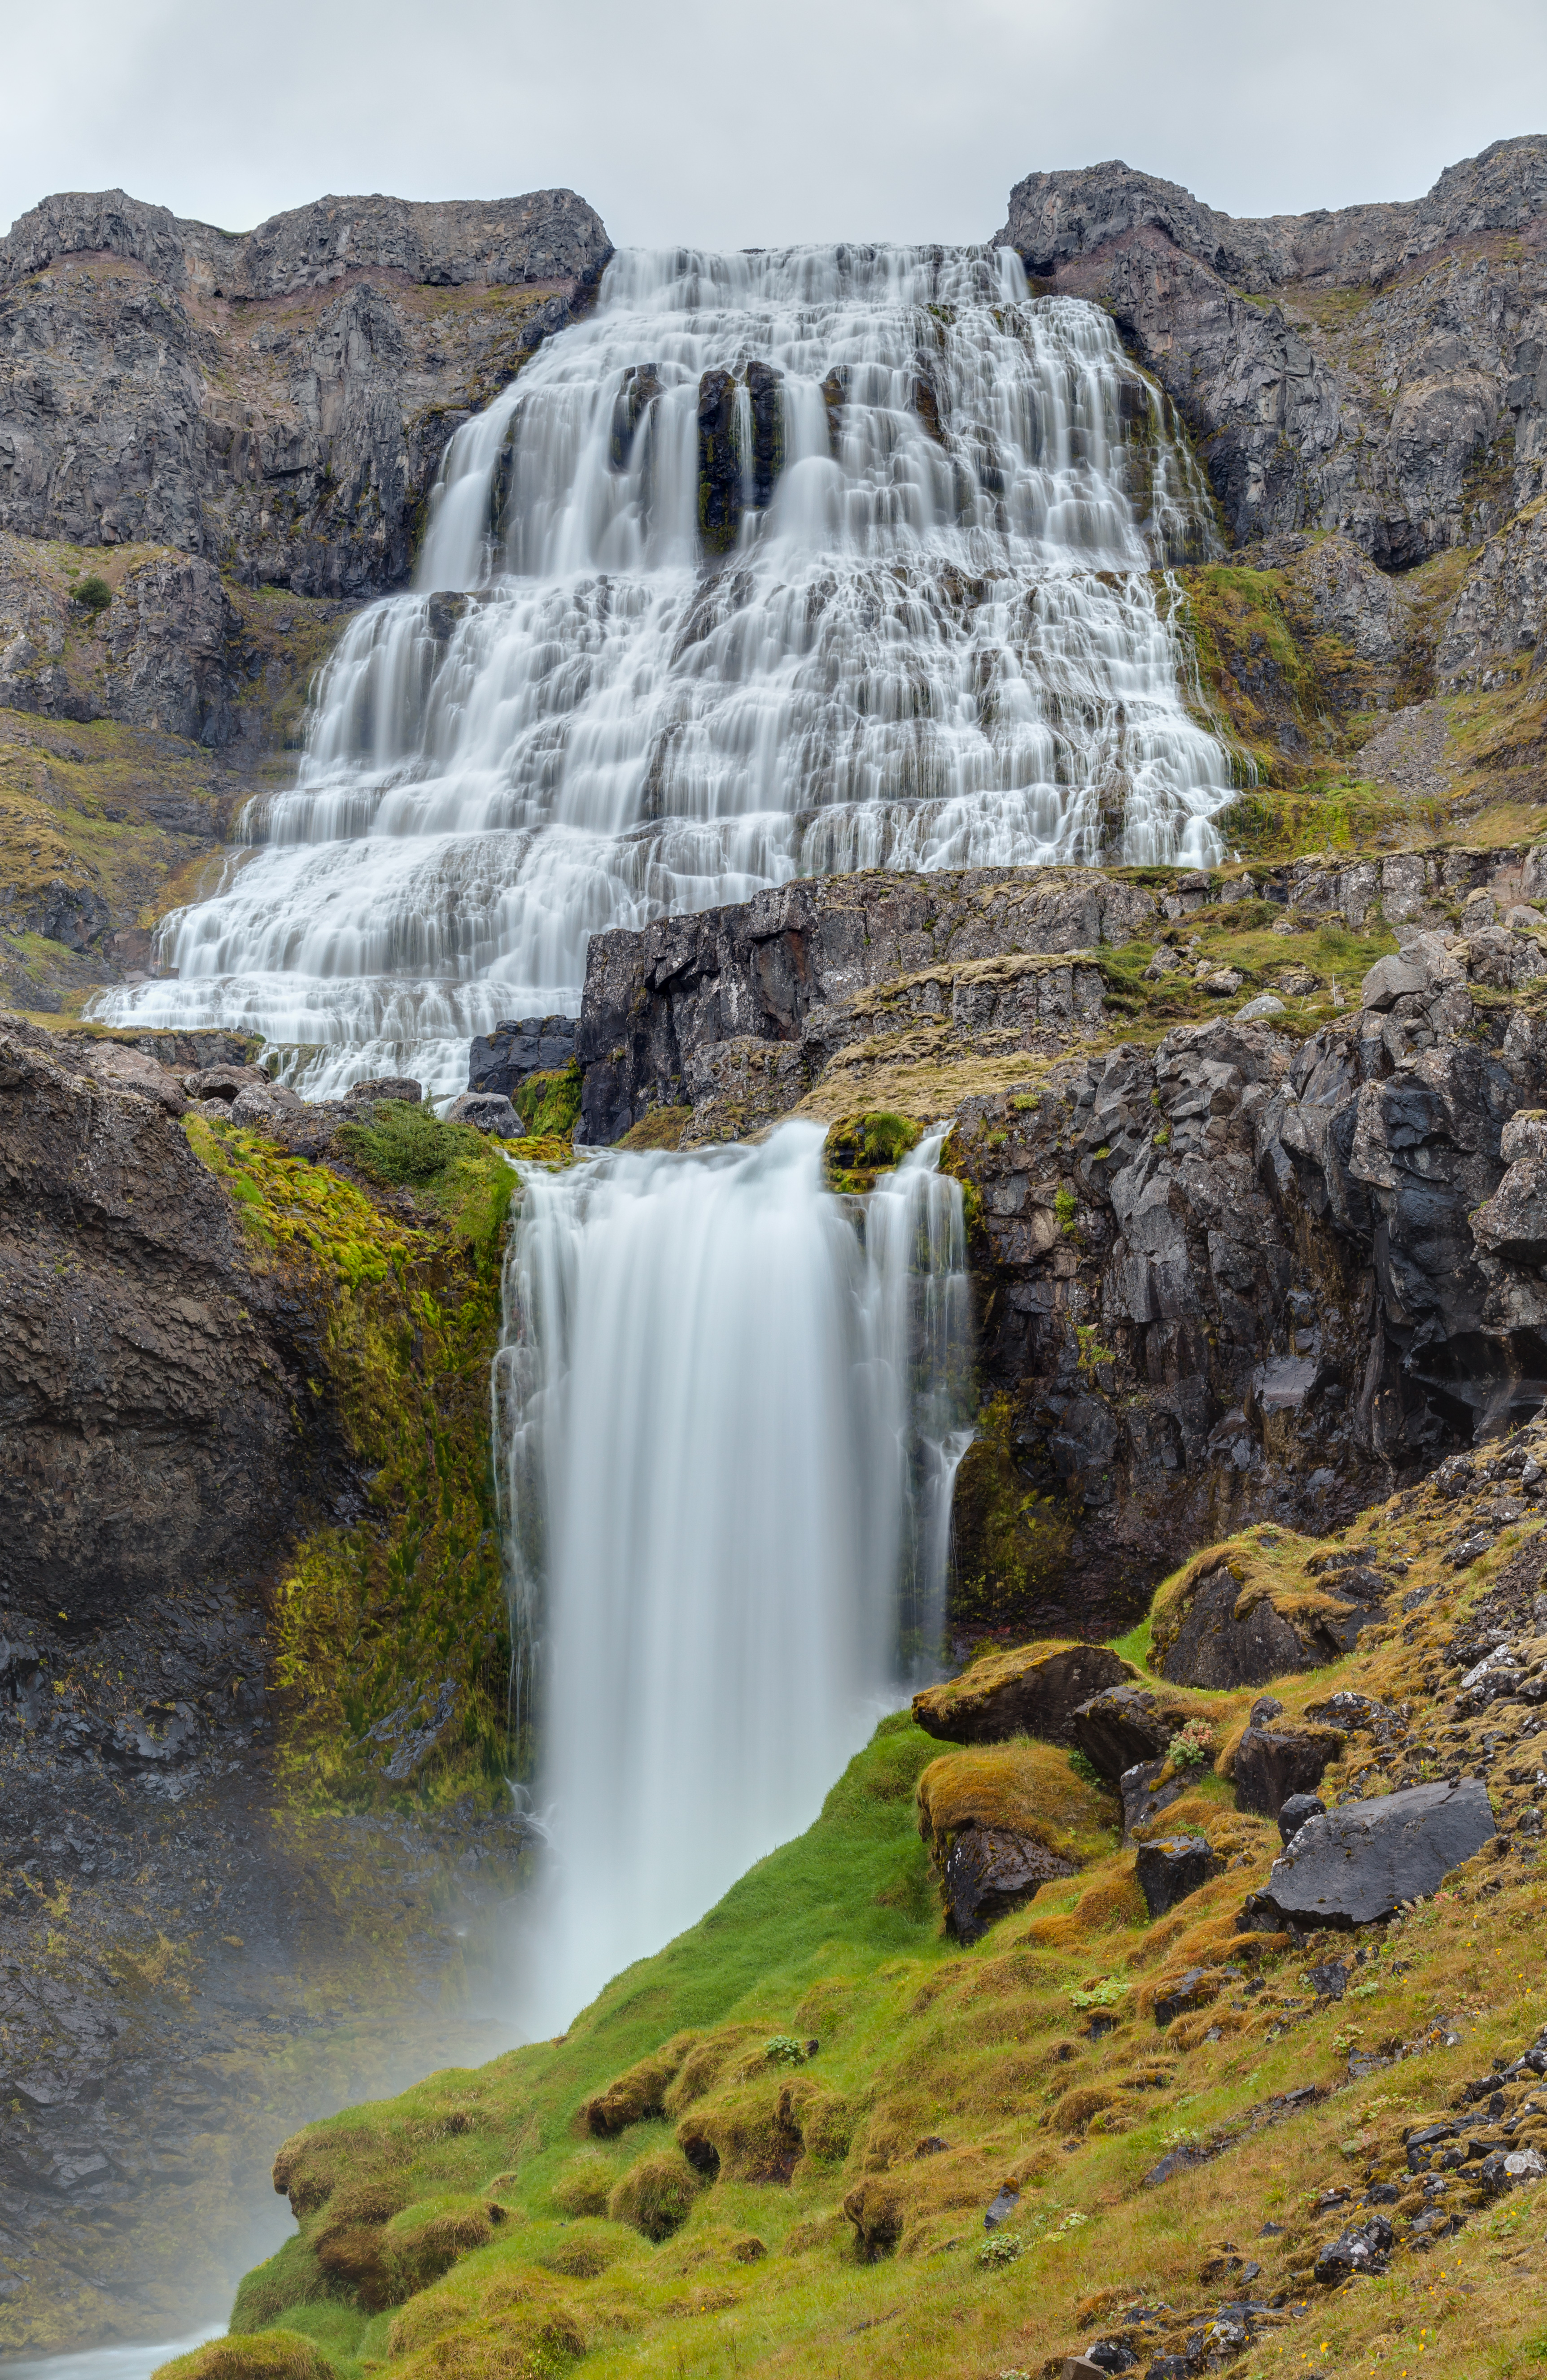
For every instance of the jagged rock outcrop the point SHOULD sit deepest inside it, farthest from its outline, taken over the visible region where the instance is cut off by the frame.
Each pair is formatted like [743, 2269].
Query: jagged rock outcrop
[1286, 382]
[150, 1382]
[277, 401]
[683, 1009]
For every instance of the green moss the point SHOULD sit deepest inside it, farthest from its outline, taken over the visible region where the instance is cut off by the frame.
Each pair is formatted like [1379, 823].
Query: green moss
[859, 1147]
[549, 1105]
[1010, 1542]
[404, 1316]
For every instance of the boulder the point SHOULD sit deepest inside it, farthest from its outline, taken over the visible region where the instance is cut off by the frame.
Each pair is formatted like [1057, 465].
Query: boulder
[128, 1069]
[1125, 1725]
[224, 1082]
[502, 1061]
[1390, 979]
[1145, 1796]
[1171, 1870]
[1275, 1763]
[1354, 1864]
[486, 1112]
[1034, 1691]
[1212, 1647]
[1505, 2170]
[1511, 1224]
[1196, 1989]
[272, 1104]
[1363, 2249]
[385, 1087]
[1297, 1811]
[990, 1870]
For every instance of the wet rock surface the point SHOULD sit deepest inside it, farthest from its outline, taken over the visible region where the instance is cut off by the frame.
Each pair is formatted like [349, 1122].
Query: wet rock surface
[151, 1378]
[189, 1966]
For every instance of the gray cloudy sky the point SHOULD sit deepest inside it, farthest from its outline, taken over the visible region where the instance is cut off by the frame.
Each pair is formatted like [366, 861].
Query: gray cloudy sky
[736, 125]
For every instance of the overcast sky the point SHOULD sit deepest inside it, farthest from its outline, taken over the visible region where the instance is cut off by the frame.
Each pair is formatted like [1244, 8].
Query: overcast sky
[739, 125]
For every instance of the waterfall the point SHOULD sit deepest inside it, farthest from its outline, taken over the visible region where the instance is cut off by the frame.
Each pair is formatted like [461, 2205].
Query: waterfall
[775, 563]
[727, 1413]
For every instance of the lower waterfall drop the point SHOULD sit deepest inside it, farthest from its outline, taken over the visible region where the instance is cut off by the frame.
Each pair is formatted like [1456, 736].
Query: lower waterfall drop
[727, 1413]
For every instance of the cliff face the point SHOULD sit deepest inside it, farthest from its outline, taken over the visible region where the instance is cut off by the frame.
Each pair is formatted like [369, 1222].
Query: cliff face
[1249, 1183]
[275, 402]
[1377, 369]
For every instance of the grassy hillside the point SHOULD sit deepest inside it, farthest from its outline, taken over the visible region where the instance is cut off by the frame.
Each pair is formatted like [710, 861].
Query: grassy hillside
[771, 2147]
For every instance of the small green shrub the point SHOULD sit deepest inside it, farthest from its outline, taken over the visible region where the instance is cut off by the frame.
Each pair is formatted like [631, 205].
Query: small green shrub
[1064, 1208]
[1193, 1747]
[92, 594]
[1000, 2248]
[784, 2050]
[549, 1105]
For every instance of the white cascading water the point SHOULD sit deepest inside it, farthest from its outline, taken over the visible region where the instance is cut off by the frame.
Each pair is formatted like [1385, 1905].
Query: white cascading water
[936, 640]
[727, 1415]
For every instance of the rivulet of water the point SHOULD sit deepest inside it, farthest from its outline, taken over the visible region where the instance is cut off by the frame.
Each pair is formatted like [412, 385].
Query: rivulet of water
[727, 1414]
[784, 562]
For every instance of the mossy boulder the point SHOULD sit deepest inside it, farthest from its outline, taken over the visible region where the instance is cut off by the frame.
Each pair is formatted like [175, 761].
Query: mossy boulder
[657, 2194]
[1239, 1616]
[255, 2355]
[1033, 1690]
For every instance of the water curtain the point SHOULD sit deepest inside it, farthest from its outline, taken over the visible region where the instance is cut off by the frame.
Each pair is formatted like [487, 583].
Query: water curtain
[727, 1414]
[778, 564]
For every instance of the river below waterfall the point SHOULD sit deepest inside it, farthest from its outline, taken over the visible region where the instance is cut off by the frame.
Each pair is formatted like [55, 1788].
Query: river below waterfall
[776, 563]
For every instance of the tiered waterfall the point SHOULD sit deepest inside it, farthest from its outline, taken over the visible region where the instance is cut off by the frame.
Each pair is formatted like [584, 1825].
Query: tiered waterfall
[778, 562]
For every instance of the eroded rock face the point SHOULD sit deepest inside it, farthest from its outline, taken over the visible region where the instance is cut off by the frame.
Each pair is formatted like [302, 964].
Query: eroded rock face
[277, 403]
[147, 1378]
[1291, 398]
[680, 1012]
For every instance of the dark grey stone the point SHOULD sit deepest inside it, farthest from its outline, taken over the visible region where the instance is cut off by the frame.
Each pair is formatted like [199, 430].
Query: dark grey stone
[1171, 1871]
[1294, 1812]
[990, 1870]
[1276, 1764]
[1357, 1862]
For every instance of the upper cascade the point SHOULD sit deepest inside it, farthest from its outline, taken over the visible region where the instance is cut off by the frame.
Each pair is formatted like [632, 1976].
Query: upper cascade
[777, 563]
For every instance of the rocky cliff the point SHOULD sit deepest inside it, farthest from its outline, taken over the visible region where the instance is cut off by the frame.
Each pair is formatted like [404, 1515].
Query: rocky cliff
[1377, 369]
[1248, 1155]
[275, 403]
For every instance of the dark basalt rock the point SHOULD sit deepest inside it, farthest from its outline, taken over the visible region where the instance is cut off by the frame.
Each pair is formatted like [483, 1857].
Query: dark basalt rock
[1171, 1871]
[1357, 1862]
[1033, 1694]
[1196, 1989]
[503, 1060]
[720, 463]
[1276, 1764]
[989, 1871]
[136, 413]
[642, 385]
[1296, 1812]
[765, 387]
[1123, 1727]
[149, 1377]
[1144, 1796]
[1279, 413]
[486, 1112]
[1362, 2249]
[1214, 1648]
